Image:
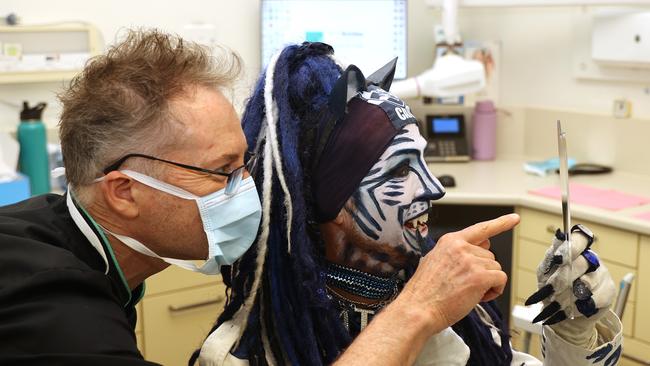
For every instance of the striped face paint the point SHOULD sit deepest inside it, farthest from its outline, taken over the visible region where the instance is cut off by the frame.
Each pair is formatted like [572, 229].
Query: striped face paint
[389, 210]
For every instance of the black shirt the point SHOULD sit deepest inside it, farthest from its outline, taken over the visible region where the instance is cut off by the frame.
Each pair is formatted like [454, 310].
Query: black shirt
[57, 304]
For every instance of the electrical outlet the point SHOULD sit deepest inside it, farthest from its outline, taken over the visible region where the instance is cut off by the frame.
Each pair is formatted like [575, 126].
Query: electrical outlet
[622, 108]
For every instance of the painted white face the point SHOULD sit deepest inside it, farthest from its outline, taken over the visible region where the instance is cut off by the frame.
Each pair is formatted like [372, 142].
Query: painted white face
[392, 203]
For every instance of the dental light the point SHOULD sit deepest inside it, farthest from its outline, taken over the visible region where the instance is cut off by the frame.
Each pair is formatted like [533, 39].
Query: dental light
[451, 74]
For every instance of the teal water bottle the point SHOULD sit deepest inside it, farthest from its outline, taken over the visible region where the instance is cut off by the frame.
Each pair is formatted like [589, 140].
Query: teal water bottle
[33, 160]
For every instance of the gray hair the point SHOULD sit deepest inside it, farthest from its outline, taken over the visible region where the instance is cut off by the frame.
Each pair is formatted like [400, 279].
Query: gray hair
[120, 102]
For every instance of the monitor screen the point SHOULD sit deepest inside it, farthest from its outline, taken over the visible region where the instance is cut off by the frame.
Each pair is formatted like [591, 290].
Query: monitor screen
[445, 125]
[366, 33]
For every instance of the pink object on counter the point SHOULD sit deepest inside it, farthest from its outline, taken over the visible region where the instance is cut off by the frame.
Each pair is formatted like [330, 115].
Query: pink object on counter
[608, 199]
[643, 216]
[484, 130]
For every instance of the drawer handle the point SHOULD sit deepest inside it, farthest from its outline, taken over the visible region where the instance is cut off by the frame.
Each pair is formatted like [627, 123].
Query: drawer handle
[176, 309]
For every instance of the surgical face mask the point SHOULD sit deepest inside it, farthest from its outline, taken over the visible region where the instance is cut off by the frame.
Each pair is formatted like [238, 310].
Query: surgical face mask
[230, 222]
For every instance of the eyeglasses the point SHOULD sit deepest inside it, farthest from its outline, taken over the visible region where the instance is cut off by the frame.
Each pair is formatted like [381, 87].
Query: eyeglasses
[233, 181]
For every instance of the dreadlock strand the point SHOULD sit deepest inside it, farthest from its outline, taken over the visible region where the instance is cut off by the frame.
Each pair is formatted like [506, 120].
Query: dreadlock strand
[271, 122]
[241, 317]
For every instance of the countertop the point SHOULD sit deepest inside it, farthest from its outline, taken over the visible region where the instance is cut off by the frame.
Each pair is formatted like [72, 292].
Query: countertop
[504, 182]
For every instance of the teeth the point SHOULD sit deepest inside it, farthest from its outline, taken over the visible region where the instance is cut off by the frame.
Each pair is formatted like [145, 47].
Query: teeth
[419, 220]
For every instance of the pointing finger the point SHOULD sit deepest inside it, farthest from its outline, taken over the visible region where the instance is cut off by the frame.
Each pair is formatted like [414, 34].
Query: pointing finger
[478, 233]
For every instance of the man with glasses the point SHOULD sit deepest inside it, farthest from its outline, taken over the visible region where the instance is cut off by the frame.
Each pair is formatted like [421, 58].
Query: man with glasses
[154, 157]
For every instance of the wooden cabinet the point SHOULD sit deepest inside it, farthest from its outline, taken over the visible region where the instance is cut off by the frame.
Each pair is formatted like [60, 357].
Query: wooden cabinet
[620, 250]
[176, 314]
[642, 323]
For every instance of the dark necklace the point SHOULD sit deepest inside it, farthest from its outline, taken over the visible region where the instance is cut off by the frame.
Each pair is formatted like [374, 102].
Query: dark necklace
[360, 283]
[355, 315]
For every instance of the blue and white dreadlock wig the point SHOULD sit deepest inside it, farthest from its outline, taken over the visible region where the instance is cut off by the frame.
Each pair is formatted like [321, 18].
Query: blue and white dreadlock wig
[278, 311]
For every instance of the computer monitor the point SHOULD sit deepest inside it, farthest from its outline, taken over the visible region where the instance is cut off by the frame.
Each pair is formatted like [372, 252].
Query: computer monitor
[367, 33]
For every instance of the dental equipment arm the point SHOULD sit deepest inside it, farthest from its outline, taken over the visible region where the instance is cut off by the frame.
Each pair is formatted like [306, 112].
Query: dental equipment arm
[451, 75]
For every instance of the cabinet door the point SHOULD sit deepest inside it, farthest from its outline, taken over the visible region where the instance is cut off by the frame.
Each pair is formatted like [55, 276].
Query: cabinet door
[642, 316]
[174, 278]
[175, 324]
[140, 342]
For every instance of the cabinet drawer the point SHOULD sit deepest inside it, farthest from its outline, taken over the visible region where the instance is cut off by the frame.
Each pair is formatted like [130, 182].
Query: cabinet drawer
[530, 254]
[526, 284]
[615, 245]
[617, 271]
[176, 323]
[537, 225]
[175, 278]
[628, 319]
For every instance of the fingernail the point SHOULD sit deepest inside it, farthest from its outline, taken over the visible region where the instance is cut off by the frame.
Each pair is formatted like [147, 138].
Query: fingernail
[551, 309]
[540, 295]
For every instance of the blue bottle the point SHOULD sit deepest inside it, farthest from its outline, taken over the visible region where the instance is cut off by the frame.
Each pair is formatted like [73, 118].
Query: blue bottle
[33, 160]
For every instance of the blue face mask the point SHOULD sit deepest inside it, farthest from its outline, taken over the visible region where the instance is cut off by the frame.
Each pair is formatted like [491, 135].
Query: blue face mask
[230, 222]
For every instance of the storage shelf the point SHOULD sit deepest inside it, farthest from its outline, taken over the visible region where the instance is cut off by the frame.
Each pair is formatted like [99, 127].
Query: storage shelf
[60, 38]
[36, 76]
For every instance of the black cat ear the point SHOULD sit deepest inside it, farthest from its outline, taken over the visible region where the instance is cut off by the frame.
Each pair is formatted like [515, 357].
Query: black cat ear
[383, 77]
[346, 87]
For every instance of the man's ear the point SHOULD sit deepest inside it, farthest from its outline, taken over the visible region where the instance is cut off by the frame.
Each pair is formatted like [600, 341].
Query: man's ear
[117, 190]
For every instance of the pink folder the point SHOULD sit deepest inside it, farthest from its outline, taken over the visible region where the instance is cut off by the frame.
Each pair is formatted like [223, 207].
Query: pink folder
[608, 199]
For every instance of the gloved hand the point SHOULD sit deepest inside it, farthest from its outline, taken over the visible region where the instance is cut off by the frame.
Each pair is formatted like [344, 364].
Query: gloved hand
[590, 284]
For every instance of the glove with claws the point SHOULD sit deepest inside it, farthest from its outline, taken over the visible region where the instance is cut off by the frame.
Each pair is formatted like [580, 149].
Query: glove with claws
[585, 288]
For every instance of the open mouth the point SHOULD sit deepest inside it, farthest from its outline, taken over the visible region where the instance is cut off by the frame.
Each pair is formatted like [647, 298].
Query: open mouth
[418, 224]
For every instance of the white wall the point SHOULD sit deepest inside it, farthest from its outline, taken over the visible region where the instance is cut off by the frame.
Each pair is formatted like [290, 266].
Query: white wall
[537, 47]
[538, 55]
[236, 26]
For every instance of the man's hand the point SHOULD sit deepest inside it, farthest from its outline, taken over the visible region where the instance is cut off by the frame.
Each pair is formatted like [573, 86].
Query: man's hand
[459, 273]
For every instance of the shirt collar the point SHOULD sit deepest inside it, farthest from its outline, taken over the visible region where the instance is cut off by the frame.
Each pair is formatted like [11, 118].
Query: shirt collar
[95, 236]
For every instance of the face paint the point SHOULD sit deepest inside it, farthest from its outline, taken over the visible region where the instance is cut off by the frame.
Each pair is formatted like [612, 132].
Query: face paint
[390, 208]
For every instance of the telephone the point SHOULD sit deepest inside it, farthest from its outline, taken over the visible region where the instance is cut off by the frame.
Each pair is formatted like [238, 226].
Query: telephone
[447, 138]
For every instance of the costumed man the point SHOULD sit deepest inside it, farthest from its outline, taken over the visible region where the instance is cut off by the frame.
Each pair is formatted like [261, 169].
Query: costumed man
[346, 192]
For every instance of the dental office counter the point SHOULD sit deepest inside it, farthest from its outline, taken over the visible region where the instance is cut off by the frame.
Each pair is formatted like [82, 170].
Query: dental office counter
[504, 182]
[622, 241]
